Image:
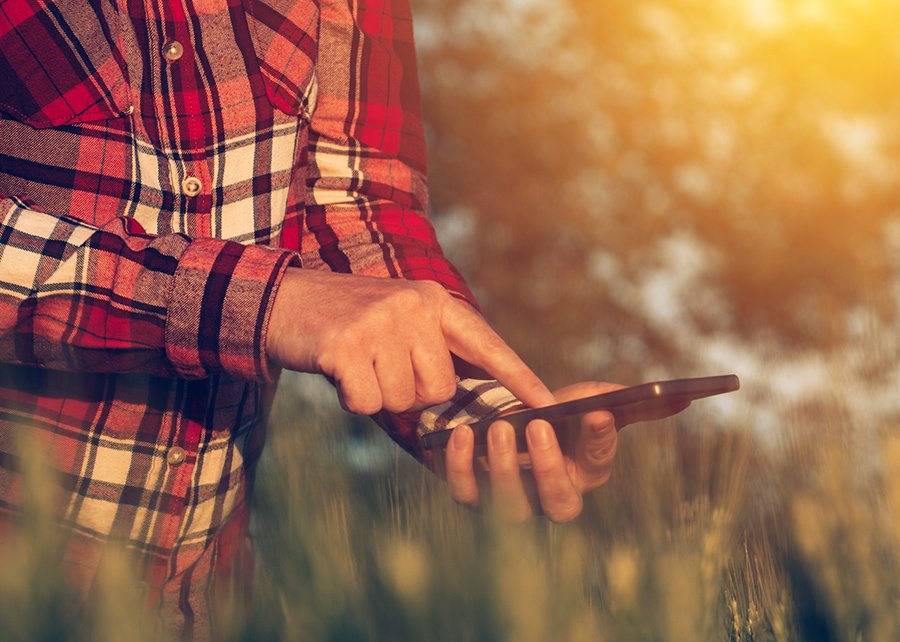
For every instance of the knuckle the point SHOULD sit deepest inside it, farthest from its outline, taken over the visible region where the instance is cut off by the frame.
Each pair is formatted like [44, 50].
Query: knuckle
[407, 297]
[602, 454]
[456, 464]
[437, 393]
[399, 402]
[503, 458]
[326, 363]
[601, 424]
[504, 466]
[341, 352]
[445, 391]
[548, 465]
[543, 466]
[545, 457]
[433, 289]
[347, 344]
[363, 407]
[358, 400]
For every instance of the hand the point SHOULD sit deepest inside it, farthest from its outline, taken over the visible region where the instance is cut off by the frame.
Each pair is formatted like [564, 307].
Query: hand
[560, 474]
[387, 343]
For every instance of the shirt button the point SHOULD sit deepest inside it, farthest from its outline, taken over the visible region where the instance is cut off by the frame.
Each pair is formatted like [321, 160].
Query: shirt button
[176, 456]
[172, 51]
[191, 186]
[128, 110]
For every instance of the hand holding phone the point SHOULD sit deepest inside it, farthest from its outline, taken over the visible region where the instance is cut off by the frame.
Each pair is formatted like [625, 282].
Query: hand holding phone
[644, 402]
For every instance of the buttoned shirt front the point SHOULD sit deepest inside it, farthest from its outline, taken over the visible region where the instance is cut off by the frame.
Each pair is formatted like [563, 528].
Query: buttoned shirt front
[162, 164]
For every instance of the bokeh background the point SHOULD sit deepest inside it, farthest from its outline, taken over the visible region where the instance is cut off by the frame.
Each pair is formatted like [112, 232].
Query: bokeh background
[636, 191]
[651, 189]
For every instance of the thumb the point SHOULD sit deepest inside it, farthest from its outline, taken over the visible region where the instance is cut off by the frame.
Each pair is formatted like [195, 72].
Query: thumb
[596, 449]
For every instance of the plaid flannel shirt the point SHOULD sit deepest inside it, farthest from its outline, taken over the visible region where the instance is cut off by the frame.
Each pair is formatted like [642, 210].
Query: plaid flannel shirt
[161, 164]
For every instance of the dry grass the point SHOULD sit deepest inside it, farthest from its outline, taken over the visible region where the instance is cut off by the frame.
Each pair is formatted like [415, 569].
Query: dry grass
[704, 533]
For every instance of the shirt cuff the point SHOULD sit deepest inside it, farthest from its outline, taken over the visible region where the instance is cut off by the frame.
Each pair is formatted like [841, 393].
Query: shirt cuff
[475, 399]
[219, 308]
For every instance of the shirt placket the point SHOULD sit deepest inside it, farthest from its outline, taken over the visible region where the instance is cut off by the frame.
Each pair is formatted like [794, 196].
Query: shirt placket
[191, 121]
[191, 181]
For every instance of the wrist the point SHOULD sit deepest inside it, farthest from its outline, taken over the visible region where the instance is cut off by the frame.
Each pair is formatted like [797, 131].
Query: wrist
[279, 316]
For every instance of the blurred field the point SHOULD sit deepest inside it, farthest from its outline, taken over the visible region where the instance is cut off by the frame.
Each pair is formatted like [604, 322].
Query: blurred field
[705, 532]
[662, 175]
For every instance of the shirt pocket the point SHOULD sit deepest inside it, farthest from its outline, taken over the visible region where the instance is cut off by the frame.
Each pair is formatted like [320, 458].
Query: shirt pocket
[285, 37]
[60, 62]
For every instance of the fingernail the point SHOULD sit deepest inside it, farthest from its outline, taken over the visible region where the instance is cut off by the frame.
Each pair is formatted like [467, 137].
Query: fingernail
[502, 436]
[540, 434]
[462, 437]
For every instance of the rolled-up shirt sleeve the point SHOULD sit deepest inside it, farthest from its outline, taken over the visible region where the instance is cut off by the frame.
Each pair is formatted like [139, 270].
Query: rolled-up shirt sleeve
[113, 299]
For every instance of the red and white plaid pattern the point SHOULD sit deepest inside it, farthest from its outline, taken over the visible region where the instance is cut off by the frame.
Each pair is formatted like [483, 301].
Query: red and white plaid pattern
[132, 312]
[475, 400]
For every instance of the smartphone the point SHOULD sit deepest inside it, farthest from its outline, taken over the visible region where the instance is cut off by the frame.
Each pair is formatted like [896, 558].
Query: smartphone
[644, 402]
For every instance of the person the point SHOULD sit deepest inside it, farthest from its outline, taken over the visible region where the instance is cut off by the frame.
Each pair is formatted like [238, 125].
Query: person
[196, 195]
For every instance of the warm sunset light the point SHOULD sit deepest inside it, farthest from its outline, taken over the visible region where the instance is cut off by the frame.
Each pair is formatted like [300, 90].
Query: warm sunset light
[724, 166]
[655, 192]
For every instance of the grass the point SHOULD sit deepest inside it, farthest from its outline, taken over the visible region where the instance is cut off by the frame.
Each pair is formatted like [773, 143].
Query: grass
[705, 532]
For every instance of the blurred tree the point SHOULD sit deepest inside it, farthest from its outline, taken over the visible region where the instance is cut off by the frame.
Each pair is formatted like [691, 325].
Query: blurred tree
[629, 178]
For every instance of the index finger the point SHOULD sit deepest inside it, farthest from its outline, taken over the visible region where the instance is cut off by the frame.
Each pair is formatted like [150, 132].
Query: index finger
[470, 337]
